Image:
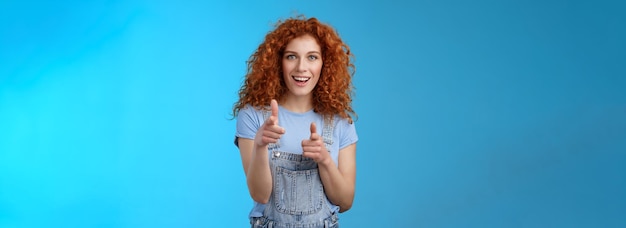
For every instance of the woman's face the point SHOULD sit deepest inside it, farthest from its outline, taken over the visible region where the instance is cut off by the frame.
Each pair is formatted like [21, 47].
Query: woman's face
[302, 65]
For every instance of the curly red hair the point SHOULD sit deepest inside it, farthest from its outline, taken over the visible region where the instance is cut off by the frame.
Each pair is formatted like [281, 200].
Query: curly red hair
[263, 81]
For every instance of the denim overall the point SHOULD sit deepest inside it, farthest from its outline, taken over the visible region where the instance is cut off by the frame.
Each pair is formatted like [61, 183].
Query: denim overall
[298, 199]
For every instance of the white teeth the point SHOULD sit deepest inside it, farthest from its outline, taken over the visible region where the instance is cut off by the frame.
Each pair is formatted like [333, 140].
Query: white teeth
[302, 79]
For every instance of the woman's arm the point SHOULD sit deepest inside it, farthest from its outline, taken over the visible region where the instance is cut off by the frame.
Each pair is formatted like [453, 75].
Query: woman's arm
[339, 181]
[255, 158]
[256, 167]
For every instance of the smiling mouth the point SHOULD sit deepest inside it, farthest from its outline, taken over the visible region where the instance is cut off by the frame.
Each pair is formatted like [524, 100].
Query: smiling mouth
[300, 79]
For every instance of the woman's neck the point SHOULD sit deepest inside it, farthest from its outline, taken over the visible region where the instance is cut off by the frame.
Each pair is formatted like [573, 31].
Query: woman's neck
[297, 104]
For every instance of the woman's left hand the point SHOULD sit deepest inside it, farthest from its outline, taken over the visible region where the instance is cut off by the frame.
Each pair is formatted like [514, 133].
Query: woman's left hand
[314, 147]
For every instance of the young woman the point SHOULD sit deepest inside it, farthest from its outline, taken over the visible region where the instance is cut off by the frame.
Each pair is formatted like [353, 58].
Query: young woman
[295, 130]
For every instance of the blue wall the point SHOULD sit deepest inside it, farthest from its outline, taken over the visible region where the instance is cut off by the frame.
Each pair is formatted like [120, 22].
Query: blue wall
[471, 113]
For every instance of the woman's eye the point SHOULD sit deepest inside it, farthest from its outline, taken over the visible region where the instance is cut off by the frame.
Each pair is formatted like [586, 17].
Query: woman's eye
[291, 57]
[312, 57]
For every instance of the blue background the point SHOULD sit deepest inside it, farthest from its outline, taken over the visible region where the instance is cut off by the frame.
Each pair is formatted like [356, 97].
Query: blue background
[471, 113]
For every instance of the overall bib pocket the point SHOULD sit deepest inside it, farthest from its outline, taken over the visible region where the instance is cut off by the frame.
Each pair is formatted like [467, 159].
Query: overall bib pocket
[298, 192]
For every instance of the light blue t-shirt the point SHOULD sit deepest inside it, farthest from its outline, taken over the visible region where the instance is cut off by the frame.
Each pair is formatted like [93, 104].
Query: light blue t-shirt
[297, 128]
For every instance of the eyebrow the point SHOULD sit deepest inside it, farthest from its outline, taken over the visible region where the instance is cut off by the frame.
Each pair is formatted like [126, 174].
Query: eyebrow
[311, 52]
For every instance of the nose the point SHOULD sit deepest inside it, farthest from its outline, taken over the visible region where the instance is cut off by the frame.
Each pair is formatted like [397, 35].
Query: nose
[302, 65]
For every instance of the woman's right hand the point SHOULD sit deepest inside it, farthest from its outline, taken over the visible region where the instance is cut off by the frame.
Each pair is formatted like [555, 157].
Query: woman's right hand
[270, 131]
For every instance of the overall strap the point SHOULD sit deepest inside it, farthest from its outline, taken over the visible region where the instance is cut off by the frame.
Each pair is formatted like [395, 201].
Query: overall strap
[327, 133]
[271, 146]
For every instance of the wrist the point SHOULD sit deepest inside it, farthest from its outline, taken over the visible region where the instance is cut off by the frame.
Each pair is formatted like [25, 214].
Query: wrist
[327, 162]
[259, 149]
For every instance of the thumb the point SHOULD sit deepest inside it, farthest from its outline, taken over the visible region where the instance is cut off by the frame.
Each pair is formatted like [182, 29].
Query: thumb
[314, 135]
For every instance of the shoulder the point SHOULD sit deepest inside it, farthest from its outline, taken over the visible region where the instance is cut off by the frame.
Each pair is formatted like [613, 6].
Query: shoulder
[249, 119]
[342, 122]
[343, 127]
[250, 110]
[250, 113]
[346, 131]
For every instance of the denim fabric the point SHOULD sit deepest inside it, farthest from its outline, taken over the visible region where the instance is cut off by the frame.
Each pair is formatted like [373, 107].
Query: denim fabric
[263, 222]
[298, 199]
